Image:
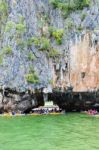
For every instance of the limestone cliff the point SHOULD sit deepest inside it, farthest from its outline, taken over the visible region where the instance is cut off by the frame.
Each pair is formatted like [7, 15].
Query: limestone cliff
[46, 46]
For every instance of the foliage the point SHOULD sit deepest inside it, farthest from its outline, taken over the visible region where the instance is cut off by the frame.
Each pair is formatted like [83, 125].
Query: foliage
[82, 3]
[10, 25]
[29, 42]
[60, 5]
[53, 53]
[51, 30]
[31, 56]
[20, 43]
[69, 24]
[58, 35]
[1, 58]
[83, 16]
[21, 19]
[34, 40]
[45, 44]
[20, 28]
[80, 28]
[32, 77]
[68, 6]
[3, 16]
[3, 7]
[7, 50]
[55, 3]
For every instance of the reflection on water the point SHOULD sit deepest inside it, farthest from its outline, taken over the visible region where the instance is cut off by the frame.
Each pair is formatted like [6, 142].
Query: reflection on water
[61, 132]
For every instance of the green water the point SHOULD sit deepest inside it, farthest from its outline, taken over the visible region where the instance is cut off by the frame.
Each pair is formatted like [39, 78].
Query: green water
[63, 132]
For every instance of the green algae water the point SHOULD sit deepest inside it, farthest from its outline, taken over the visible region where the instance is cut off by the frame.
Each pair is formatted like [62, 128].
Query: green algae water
[57, 132]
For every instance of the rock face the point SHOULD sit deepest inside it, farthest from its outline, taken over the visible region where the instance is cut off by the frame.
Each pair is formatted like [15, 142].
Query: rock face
[85, 56]
[63, 51]
[14, 101]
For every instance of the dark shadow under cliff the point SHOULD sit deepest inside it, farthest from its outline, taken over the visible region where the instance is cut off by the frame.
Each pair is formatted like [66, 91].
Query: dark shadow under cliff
[76, 101]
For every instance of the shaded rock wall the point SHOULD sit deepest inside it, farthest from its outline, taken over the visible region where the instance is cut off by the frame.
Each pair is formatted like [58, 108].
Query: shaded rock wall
[24, 102]
[76, 101]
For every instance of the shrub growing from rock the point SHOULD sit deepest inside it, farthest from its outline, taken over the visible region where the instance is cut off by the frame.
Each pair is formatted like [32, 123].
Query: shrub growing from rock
[31, 56]
[7, 50]
[58, 35]
[1, 59]
[32, 40]
[10, 25]
[20, 28]
[53, 53]
[45, 44]
[32, 77]
[68, 6]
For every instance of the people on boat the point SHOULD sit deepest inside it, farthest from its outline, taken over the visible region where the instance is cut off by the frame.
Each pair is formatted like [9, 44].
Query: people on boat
[92, 112]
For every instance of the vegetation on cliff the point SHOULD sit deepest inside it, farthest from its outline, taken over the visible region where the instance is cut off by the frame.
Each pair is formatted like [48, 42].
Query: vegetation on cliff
[41, 31]
[3, 16]
[32, 77]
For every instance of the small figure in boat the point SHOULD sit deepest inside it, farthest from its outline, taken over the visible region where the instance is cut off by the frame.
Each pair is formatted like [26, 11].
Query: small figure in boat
[92, 112]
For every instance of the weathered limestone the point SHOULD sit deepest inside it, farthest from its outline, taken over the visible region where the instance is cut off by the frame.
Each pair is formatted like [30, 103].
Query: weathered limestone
[85, 56]
[14, 101]
[74, 75]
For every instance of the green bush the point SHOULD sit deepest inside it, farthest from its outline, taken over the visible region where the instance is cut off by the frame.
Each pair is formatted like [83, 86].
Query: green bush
[29, 42]
[10, 25]
[69, 24]
[21, 19]
[58, 35]
[53, 53]
[20, 31]
[63, 6]
[54, 3]
[80, 28]
[20, 43]
[32, 77]
[1, 58]
[3, 7]
[83, 16]
[68, 6]
[3, 16]
[31, 56]
[82, 3]
[34, 40]
[51, 30]
[45, 44]
[20, 28]
[7, 50]
[42, 42]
